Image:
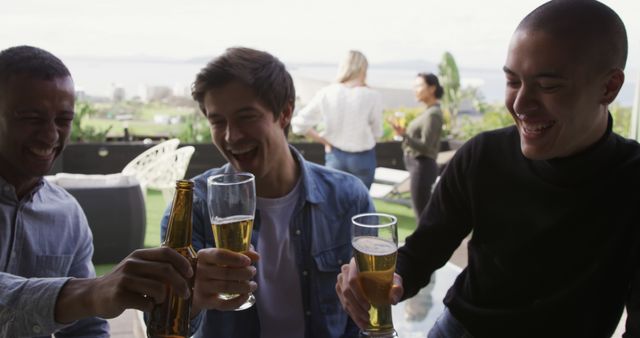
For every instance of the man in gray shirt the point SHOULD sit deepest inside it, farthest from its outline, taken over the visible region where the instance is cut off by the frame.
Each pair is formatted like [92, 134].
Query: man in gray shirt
[47, 280]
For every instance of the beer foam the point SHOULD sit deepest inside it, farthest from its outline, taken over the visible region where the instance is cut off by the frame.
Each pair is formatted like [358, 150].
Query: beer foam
[231, 219]
[373, 245]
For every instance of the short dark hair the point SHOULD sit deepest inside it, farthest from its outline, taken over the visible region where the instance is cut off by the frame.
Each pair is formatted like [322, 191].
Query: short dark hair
[259, 70]
[585, 22]
[32, 61]
[432, 80]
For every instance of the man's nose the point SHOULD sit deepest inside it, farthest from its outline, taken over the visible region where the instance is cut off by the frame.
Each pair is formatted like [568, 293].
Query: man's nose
[49, 132]
[233, 133]
[526, 100]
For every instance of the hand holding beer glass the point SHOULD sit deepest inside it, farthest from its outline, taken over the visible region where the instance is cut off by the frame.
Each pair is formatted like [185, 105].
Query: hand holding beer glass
[231, 199]
[399, 120]
[375, 245]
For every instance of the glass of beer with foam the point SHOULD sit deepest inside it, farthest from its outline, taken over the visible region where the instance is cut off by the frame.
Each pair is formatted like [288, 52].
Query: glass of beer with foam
[375, 247]
[231, 199]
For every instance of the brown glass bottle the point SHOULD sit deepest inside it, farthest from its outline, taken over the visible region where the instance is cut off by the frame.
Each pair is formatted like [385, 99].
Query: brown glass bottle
[171, 318]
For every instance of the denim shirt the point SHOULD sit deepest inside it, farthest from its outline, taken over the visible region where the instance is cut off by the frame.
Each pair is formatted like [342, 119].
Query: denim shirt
[320, 232]
[44, 240]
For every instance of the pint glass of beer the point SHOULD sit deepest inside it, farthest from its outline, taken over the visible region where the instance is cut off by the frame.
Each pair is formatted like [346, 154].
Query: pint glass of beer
[400, 120]
[375, 247]
[231, 199]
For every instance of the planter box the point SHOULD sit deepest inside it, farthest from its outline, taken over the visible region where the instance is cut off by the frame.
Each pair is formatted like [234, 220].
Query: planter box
[111, 157]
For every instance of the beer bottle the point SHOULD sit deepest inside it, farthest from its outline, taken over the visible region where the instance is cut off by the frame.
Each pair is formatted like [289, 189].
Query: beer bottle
[171, 318]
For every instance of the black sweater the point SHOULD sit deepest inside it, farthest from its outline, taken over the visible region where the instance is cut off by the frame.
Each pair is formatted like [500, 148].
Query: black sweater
[554, 250]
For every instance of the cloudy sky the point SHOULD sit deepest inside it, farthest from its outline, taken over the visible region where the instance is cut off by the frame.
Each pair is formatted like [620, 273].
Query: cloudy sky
[476, 32]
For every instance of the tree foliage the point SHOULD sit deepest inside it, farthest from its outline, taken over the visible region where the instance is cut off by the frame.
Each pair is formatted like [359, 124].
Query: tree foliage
[195, 129]
[82, 132]
[450, 80]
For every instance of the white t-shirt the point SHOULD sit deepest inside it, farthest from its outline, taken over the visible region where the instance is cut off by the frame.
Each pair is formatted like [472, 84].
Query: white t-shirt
[352, 116]
[279, 296]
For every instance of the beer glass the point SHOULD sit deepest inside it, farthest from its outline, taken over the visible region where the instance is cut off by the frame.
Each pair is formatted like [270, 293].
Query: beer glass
[401, 121]
[375, 247]
[231, 199]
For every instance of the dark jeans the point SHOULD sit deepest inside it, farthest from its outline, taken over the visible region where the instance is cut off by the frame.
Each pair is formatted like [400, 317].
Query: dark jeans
[361, 164]
[448, 326]
[423, 172]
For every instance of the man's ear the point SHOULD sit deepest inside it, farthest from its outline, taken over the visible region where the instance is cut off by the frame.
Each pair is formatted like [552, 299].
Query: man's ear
[286, 115]
[613, 83]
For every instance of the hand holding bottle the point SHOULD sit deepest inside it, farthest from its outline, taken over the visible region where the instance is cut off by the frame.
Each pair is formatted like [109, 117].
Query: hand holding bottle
[138, 281]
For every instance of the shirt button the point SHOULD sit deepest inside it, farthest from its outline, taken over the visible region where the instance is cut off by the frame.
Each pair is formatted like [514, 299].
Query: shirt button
[305, 272]
[308, 313]
[340, 261]
[36, 329]
[298, 232]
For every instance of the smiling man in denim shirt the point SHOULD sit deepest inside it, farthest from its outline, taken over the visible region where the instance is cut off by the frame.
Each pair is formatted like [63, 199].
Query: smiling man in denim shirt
[302, 228]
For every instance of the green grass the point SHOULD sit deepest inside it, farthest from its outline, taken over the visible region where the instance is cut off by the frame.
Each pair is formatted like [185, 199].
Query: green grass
[142, 122]
[148, 111]
[155, 209]
[135, 127]
[156, 205]
[406, 220]
[102, 269]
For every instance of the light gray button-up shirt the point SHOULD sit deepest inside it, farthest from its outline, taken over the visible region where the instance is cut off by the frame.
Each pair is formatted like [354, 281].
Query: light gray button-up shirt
[44, 240]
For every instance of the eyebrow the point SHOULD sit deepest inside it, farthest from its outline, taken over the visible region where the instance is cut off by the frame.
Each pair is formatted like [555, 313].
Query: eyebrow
[545, 74]
[38, 111]
[244, 109]
[237, 111]
[507, 70]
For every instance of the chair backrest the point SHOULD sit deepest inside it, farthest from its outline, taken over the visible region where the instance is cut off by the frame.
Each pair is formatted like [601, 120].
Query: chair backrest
[391, 185]
[115, 207]
[139, 166]
[171, 167]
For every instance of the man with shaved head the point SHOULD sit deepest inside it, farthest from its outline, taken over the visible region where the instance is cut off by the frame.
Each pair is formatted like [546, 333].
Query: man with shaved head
[551, 202]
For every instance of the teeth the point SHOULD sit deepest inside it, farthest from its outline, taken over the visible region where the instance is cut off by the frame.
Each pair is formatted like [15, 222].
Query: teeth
[536, 127]
[239, 151]
[42, 151]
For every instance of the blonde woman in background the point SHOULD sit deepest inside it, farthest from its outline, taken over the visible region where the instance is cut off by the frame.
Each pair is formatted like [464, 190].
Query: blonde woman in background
[351, 113]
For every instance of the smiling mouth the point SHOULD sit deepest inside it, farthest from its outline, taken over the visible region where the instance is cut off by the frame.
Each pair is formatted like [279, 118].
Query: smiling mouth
[243, 155]
[536, 128]
[43, 152]
[533, 128]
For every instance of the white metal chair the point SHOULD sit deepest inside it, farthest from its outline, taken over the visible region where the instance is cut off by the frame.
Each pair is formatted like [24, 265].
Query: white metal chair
[171, 167]
[144, 163]
[391, 185]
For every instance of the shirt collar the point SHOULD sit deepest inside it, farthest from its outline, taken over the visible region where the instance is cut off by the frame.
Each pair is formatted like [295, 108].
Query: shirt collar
[583, 166]
[310, 190]
[9, 191]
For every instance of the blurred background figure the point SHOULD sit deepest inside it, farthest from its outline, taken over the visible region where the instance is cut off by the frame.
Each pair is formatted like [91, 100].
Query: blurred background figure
[421, 140]
[421, 143]
[348, 118]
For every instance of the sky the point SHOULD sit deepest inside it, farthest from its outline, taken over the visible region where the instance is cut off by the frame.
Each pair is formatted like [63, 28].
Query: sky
[476, 32]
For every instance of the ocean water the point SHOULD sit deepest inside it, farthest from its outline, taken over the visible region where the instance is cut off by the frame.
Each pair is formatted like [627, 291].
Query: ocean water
[97, 77]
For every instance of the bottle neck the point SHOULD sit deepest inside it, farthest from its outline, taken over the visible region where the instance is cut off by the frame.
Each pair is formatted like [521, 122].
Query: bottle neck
[179, 229]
